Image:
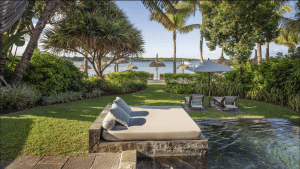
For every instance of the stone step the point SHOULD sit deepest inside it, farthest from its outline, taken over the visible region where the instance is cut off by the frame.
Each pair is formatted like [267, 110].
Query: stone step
[105, 160]
[128, 159]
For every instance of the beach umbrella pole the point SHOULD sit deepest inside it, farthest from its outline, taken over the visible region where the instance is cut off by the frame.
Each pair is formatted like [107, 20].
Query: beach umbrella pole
[208, 89]
[156, 73]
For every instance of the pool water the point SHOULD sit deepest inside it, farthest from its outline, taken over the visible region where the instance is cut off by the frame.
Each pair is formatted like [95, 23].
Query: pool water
[241, 143]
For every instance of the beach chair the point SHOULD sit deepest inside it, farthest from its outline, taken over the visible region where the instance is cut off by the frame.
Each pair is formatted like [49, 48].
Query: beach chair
[196, 101]
[229, 102]
[151, 77]
[161, 77]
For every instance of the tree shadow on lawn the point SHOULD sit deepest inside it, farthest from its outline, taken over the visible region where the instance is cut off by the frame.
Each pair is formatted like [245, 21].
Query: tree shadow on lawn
[14, 132]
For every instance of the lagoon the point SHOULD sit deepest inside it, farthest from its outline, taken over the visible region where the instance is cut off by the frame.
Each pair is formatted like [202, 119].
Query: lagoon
[143, 66]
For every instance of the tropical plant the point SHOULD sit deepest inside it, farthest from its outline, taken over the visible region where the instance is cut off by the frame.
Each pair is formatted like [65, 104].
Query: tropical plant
[96, 30]
[173, 23]
[234, 26]
[288, 37]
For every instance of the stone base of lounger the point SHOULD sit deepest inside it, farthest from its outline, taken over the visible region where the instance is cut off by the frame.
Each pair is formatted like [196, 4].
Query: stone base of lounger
[97, 144]
[156, 148]
[188, 108]
[218, 107]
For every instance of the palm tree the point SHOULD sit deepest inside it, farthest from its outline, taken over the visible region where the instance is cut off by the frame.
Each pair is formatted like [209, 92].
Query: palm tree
[95, 31]
[282, 9]
[196, 5]
[173, 23]
[288, 37]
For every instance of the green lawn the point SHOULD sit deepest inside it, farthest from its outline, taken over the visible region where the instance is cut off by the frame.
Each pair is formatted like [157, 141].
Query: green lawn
[62, 129]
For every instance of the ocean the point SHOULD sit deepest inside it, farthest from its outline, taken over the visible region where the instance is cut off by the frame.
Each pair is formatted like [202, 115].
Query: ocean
[143, 66]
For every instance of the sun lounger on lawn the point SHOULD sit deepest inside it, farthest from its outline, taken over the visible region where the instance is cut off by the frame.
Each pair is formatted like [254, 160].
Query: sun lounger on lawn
[226, 102]
[161, 77]
[151, 77]
[196, 101]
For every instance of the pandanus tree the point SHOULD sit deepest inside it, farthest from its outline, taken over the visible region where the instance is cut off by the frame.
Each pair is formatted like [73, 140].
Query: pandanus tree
[174, 23]
[96, 30]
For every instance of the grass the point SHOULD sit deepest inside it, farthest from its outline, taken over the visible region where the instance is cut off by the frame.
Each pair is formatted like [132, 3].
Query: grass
[62, 129]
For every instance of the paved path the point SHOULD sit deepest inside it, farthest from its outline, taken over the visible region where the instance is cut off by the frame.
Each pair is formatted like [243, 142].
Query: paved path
[124, 160]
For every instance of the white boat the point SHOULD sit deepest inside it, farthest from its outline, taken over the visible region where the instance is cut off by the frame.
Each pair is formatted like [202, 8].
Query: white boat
[187, 63]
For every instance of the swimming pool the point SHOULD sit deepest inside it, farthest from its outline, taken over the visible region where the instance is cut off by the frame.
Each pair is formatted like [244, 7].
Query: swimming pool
[241, 143]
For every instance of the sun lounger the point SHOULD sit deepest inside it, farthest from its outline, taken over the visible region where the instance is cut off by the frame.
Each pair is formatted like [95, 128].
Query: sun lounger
[153, 131]
[161, 77]
[196, 101]
[226, 102]
[151, 77]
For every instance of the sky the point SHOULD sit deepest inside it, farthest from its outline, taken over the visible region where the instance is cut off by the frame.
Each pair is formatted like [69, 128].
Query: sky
[159, 41]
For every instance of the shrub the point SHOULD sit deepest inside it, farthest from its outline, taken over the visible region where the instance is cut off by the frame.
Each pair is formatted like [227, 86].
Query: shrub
[119, 77]
[91, 83]
[20, 97]
[294, 102]
[51, 74]
[65, 97]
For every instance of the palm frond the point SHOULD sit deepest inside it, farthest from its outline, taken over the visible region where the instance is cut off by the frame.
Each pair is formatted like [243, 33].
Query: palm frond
[189, 28]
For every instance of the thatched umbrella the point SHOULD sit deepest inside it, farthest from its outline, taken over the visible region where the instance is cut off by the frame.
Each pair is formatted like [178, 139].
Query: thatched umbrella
[130, 66]
[223, 61]
[120, 61]
[182, 66]
[210, 66]
[157, 64]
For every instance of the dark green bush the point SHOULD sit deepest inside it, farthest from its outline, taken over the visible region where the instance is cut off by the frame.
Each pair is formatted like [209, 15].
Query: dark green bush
[185, 78]
[18, 98]
[11, 64]
[123, 88]
[92, 82]
[119, 77]
[51, 74]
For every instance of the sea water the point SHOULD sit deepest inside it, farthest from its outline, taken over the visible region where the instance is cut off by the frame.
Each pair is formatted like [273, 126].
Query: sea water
[143, 66]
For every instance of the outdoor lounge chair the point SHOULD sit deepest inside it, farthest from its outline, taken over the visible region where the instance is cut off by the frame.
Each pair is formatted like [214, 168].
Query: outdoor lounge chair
[151, 77]
[161, 77]
[229, 102]
[196, 101]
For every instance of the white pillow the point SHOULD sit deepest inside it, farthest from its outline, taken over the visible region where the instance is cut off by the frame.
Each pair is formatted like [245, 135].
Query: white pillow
[119, 115]
[109, 121]
[120, 102]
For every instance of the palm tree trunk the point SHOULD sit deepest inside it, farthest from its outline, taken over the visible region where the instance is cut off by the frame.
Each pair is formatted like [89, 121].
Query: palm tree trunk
[2, 58]
[258, 53]
[201, 45]
[174, 56]
[267, 51]
[20, 70]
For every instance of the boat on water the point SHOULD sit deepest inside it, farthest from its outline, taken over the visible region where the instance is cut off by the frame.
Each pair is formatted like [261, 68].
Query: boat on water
[187, 63]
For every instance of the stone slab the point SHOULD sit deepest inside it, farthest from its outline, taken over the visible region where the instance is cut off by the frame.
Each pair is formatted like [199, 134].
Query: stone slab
[48, 166]
[187, 108]
[79, 163]
[218, 107]
[129, 156]
[128, 160]
[106, 161]
[54, 160]
[24, 162]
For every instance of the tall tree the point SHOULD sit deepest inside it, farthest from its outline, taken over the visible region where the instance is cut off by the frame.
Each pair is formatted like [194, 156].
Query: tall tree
[174, 23]
[236, 25]
[194, 6]
[96, 30]
[20, 69]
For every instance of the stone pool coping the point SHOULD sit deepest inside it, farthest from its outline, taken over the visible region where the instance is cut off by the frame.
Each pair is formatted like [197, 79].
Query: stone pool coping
[144, 148]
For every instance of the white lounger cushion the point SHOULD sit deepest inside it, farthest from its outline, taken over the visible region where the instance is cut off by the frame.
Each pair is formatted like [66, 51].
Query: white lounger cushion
[120, 115]
[120, 102]
[155, 123]
[109, 122]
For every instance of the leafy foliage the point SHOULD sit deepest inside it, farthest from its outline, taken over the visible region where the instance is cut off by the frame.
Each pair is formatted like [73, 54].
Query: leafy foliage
[119, 77]
[51, 74]
[19, 97]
